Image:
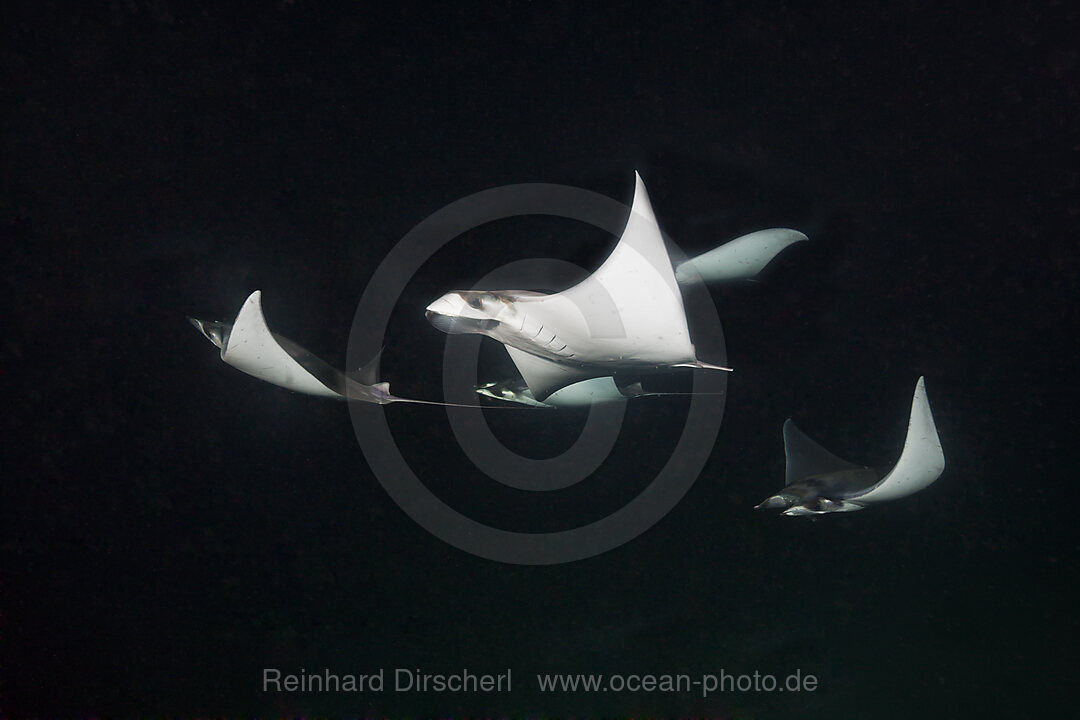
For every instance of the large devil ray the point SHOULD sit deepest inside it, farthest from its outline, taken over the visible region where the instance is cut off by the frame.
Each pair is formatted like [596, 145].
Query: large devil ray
[818, 482]
[248, 345]
[626, 316]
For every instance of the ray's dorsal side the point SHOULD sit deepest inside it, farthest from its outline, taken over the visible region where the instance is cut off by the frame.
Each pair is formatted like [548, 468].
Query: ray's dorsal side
[628, 314]
[818, 482]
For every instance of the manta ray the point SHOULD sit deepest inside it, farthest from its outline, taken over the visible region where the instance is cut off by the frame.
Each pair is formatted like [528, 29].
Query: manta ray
[818, 482]
[625, 318]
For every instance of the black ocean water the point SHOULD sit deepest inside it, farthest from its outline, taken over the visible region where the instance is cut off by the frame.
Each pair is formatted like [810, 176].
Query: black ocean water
[171, 529]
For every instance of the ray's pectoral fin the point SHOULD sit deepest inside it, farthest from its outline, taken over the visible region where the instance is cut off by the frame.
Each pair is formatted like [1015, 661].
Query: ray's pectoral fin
[805, 458]
[922, 460]
[739, 259]
[544, 377]
[634, 297]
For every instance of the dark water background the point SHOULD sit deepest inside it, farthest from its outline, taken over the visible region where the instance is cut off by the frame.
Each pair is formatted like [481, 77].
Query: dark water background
[171, 527]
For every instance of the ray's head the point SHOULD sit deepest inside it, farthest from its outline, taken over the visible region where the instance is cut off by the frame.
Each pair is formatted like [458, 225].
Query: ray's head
[780, 501]
[215, 331]
[466, 311]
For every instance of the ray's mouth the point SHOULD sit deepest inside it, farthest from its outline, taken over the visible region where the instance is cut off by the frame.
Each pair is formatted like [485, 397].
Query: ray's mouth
[452, 325]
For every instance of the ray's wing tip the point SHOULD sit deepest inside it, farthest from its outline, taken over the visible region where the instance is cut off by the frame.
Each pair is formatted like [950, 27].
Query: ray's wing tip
[641, 204]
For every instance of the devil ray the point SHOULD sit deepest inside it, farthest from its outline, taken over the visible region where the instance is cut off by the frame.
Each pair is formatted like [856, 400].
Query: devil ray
[248, 345]
[818, 482]
[627, 318]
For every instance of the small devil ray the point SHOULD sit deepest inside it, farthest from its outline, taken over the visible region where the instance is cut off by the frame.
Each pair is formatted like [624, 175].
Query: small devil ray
[627, 317]
[580, 394]
[818, 482]
[248, 345]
